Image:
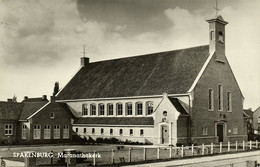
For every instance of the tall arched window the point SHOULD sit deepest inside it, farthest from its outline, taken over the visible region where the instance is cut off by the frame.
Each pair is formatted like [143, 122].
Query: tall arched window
[101, 108]
[119, 109]
[129, 109]
[149, 107]
[84, 109]
[110, 109]
[93, 109]
[139, 108]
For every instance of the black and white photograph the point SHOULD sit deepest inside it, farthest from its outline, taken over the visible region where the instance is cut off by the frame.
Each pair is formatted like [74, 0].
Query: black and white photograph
[134, 83]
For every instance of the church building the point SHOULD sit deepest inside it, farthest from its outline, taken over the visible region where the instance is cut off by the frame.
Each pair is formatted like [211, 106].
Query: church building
[181, 96]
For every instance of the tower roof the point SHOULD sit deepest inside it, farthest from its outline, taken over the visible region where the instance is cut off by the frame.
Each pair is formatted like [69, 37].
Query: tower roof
[217, 18]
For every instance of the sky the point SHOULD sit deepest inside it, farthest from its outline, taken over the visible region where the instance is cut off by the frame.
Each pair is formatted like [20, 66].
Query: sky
[41, 41]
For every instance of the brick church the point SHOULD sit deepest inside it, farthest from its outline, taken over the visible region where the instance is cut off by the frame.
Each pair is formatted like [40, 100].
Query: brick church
[180, 96]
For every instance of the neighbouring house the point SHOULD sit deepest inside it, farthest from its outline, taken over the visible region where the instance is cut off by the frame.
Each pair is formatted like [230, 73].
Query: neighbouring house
[256, 121]
[249, 116]
[35, 120]
[181, 96]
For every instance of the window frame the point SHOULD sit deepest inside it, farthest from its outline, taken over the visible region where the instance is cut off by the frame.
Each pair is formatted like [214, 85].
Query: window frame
[220, 97]
[149, 108]
[119, 109]
[211, 99]
[84, 109]
[110, 109]
[66, 130]
[24, 131]
[204, 130]
[37, 131]
[56, 132]
[139, 110]
[9, 128]
[111, 131]
[141, 132]
[229, 101]
[101, 107]
[129, 109]
[47, 132]
[93, 109]
[131, 132]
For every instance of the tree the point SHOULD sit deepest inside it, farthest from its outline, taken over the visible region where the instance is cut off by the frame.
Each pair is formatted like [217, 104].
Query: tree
[56, 88]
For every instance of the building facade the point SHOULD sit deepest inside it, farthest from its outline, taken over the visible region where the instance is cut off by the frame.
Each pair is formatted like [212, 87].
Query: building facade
[181, 96]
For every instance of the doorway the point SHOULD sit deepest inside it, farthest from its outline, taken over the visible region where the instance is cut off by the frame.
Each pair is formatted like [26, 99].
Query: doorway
[165, 134]
[220, 132]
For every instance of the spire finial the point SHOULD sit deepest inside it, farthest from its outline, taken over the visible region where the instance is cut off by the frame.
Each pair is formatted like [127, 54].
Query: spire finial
[216, 8]
[84, 51]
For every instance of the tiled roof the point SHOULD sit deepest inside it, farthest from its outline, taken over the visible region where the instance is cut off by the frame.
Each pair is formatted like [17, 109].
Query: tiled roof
[249, 113]
[30, 108]
[180, 106]
[172, 72]
[10, 110]
[116, 120]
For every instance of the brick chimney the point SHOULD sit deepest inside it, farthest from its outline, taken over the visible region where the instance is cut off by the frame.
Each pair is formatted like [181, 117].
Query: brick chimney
[44, 97]
[25, 98]
[9, 100]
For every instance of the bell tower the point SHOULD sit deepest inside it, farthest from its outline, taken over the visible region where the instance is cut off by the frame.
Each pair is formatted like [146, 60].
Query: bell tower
[217, 36]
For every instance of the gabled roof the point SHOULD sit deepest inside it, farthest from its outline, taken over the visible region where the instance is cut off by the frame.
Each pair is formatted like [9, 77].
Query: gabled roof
[10, 110]
[115, 121]
[173, 72]
[30, 108]
[180, 106]
[249, 113]
[54, 107]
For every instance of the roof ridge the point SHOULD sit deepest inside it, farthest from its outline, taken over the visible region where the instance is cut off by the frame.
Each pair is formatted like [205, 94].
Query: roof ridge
[149, 54]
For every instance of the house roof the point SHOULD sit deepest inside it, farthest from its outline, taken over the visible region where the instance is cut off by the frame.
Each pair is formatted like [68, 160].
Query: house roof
[10, 110]
[35, 99]
[116, 120]
[154, 74]
[30, 108]
[55, 107]
[180, 106]
[249, 113]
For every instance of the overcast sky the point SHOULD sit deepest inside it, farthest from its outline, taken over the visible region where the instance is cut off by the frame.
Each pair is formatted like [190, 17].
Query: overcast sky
[41, 40]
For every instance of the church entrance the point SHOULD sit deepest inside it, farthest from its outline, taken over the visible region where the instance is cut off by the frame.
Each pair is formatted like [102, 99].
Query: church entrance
[220, 132]
[165, 134]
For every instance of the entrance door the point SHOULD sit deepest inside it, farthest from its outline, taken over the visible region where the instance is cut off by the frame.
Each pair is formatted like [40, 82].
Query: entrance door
[165, 135]
[220, 131]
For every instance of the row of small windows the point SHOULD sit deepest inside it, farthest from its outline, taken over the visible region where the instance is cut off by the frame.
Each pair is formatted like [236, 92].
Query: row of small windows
[47, 132]
[111, 131]
[119, 109]
[220, 99]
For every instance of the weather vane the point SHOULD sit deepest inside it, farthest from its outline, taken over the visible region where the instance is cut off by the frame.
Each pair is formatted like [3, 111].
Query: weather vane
[216, 7]
[84, 51]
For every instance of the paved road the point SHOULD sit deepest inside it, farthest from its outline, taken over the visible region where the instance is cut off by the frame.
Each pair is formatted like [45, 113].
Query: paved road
[238, 160]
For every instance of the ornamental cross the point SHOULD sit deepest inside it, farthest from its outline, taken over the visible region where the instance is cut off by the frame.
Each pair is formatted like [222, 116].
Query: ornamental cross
[84, 51]
[216, 7]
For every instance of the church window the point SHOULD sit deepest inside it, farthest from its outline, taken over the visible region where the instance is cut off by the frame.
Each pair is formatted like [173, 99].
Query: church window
[84, 109]
[129, 108]
[141, 132]
[149, 105]
[119, 108]
[47, 132]
[101, 109]
[37, 132]
[93, 109]
[121, 132]
[220, 97]
[24, 129]
[110, 109]
[111, 131]
[229, 102]
[93, 131]
[8, 129]
[211, 100]
[204, 130]
[221, 36]
[131, 132]
[139, 107]
[56, 132]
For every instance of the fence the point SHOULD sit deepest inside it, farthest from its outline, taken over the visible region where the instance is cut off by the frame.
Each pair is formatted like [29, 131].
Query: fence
[123, 154]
